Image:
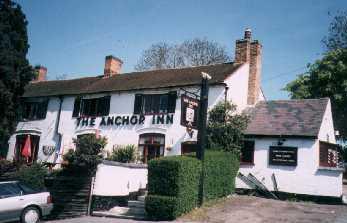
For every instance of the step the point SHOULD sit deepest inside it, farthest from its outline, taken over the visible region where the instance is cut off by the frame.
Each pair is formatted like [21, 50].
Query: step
[115, 215]
[141, 198]
[128, 210]
[136, 204]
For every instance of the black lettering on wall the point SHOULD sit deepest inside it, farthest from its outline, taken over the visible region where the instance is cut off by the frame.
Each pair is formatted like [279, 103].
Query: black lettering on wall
[133, 120]
[84, 121]
[153, 119]
[169, 119]
[125, 120]
[92, 121]
[103, 121]
[118, 120]
[142, 120]
[160, 119]
[110, 120]
[78, 121]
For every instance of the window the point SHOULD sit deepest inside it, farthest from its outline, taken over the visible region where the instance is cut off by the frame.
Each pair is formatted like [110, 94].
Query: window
[9, 190]
[155, 103]
[91, 107]
[329, 155]
[247, 152]
[151, 145]
[34, 110]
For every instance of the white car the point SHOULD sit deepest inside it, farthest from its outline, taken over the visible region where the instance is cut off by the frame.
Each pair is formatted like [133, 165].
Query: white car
[19, 202]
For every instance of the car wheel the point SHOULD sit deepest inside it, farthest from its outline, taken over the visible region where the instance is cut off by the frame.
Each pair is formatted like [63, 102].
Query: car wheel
[30, 215]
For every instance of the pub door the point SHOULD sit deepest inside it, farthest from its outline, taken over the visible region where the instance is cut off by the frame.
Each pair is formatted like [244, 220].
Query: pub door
[20, 142]
[152, 146]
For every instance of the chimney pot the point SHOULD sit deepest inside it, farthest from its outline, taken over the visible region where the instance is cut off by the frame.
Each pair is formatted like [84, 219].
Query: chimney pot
[113, 66]
[41, 73]
[248, 34]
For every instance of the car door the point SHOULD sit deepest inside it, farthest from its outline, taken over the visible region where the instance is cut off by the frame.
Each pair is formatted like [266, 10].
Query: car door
[10, 201]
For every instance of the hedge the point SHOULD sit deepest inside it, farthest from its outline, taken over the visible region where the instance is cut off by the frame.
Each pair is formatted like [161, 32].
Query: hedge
[220, 172]
[173, 184]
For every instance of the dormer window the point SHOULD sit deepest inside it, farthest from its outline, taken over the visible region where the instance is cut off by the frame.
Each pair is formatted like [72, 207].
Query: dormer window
[149, 104]
[91, 107]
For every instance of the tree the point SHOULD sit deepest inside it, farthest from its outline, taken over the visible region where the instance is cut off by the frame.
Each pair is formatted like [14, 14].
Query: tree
[15, 71]
[337, 35]
[326, 78]
[195, 52]
[225, 128]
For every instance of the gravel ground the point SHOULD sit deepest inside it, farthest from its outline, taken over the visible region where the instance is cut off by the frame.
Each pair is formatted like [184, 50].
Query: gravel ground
[249, 209]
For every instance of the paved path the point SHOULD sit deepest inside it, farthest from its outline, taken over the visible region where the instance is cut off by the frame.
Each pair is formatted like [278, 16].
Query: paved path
[248, 209]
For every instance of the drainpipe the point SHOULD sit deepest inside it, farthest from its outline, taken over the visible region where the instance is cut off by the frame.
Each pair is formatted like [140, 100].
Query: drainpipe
[226, 93]
[61, 99]
[225, 100]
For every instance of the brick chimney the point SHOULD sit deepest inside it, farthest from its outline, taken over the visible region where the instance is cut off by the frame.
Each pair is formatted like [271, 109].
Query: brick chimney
[113, 66]
[41, 73]
[249, 51]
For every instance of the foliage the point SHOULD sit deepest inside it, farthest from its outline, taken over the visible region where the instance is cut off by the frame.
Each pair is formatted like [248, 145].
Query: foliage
[337, 35]
[124, 154]
[225, 127]
[5, 166]
[88, 153]
[15, 71]
[220, 172]
[195, 52]
[173, 184]
[33, 176]
[162, 207]
[326, 78]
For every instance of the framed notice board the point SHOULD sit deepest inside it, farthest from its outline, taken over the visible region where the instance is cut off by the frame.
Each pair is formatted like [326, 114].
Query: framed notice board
[283, 156]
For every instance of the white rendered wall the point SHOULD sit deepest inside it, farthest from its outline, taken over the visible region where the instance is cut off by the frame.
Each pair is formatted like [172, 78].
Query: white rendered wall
[44, 128]
[305, 178]
[327, 131]
[113, 180]
[238, 87]
[122, 104]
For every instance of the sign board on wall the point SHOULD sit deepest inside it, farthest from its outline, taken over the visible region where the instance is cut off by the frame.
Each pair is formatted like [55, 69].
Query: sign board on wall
[189, 112]
[283, 156]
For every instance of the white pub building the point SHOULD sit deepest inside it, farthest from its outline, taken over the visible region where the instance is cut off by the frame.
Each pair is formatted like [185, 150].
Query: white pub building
[291, 139]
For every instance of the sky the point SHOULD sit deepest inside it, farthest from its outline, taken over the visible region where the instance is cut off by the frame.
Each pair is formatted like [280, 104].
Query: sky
[72, 37]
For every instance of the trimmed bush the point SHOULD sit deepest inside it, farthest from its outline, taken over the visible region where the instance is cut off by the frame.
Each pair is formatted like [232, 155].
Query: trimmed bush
[162, 207]
[220, 172]
[173, 185]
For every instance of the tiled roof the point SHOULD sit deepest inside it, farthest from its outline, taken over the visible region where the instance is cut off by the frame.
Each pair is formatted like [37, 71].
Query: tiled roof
[287, 117]
[131, 81]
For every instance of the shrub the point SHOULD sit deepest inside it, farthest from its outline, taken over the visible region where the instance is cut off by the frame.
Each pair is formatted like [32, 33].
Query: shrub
[162, 207]
[225, 128]
[33, 176]
[88, 153]
[220, 172]
[173, 185]
[124, 154]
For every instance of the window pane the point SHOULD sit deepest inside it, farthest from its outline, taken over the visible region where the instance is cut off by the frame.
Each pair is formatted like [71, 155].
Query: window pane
[247, 152]
[148, 104]
[163, 103]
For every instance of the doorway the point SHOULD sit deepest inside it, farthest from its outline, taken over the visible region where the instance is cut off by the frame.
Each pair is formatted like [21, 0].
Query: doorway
[20, 143]
[151, 145]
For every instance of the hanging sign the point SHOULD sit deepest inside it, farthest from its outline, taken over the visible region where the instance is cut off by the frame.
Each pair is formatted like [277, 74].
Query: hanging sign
[189, 112]
[283, 156]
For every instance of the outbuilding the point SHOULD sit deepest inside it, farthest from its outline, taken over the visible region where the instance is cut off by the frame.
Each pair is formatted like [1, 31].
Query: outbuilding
[291, 147]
